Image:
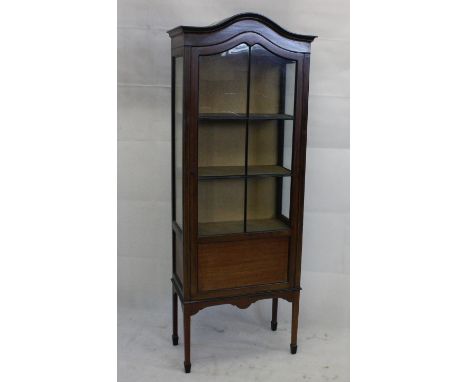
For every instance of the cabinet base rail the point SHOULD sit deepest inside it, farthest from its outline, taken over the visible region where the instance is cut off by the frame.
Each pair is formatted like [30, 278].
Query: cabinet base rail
[190, 308]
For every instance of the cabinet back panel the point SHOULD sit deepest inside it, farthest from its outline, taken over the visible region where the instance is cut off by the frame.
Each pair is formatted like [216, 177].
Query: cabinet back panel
[234, 264]
[220, 200]
[263, 143]
[261, 198]
[221, 143]
[223, 81]
[264, 87]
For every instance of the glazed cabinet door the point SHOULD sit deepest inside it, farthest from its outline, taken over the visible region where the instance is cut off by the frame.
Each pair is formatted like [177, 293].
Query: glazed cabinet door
[246, 115]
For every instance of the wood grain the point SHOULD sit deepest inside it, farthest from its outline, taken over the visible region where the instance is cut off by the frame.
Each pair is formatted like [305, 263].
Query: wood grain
[244, 80]
[240, 264]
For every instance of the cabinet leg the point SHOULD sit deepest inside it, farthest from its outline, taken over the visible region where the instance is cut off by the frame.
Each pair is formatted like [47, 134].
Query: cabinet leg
[274, 314]
[187, 363]
[294, 323]
[175, 334]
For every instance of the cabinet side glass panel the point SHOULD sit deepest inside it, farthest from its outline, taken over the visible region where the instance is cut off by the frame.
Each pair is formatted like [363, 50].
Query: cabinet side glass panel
[289, 83]
[286, 162]
[288, 126]
[178, 138]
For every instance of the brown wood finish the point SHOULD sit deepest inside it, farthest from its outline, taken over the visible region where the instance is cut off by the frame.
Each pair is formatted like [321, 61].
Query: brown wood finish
[238, 264]
[302, 144]
[295, 322]
[249, 38]
[175, 330]
[274, 314]
[223, 258]
[202, 36]
[187, 316]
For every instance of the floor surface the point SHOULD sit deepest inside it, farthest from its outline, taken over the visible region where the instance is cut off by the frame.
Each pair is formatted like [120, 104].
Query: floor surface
[229, 344]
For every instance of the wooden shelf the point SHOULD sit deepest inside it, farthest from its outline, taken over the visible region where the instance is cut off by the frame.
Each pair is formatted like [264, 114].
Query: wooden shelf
[266, 225]
[223, 228]
[243, 117]
[220, 228]
[226, 172]
[269, 170]
[217, 172]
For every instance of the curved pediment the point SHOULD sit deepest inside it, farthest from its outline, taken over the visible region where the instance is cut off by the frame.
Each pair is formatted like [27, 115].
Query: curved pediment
[235, 25]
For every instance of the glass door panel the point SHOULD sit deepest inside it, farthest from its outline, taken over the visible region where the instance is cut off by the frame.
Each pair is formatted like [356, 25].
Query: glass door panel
[263, 143]
[223, 87]
[272, 84]
[271, 95]
[221, 148]
[245, 129]
[264, 204]
[223, 82]
[270, 147]
[220, 206]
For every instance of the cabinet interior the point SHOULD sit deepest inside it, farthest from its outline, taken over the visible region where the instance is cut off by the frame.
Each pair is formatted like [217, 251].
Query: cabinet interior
[245, 127]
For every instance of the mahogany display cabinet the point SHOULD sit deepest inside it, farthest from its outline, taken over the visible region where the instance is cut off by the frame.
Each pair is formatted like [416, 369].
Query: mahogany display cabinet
[239, 125]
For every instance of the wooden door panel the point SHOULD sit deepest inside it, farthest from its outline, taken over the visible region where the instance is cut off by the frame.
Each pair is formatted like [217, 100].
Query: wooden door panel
[237, 264]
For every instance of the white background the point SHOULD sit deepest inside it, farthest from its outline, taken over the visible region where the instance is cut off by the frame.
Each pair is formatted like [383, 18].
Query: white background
[57, 158]
[144, 220]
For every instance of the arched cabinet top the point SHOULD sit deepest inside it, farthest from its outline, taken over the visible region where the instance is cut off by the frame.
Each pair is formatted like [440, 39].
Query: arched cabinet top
[236, 26]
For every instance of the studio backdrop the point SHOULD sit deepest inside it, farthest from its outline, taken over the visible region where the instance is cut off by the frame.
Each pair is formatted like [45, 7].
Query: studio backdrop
[144, 165]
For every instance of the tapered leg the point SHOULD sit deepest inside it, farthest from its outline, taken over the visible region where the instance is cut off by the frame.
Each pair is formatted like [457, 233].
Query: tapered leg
[175, 334]
[187, 363]
[274, 314]
[294, 323]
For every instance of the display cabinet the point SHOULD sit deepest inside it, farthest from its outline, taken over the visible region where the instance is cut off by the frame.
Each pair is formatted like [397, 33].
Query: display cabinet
[239, 124]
